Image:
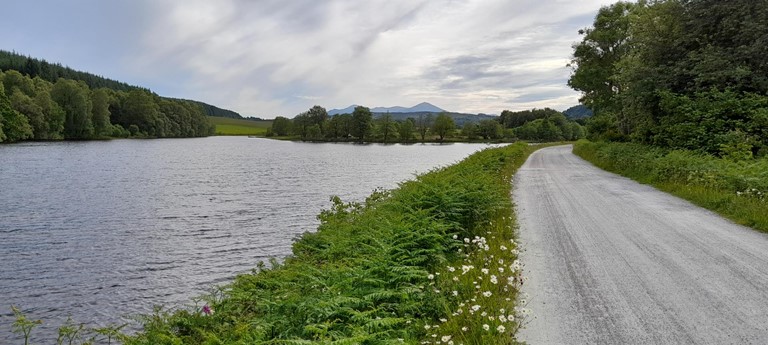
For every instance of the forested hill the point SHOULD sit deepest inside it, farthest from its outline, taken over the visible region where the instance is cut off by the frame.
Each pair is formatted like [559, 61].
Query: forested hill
[211, 110]
[53, 71]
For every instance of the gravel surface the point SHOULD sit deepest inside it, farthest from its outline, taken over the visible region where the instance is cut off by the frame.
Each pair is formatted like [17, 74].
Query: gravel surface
[611, 261]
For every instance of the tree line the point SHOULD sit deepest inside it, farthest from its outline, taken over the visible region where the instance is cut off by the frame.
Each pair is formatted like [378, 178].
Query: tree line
[34, 108]
[679, 74]
[53, 71]
[361, 125]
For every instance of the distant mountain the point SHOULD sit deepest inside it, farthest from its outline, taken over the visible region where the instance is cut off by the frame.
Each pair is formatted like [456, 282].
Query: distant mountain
[347, 110]
[578, 112]
[421, 107]
[53, 71]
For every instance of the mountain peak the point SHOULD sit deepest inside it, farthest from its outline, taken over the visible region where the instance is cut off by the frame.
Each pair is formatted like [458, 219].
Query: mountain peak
[421, 107]
[425, 106]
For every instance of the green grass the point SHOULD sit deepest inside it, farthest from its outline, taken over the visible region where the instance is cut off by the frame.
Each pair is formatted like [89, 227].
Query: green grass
[229, 126]
[432, 260]
[737, 190]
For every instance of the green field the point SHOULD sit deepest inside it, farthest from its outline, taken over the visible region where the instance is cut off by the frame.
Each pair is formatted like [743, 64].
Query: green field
[229, 126]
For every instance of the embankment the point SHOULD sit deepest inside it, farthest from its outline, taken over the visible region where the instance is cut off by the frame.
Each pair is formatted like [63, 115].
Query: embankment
[433, 260]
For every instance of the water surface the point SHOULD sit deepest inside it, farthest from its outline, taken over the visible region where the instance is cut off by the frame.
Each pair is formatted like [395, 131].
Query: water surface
[105, 230]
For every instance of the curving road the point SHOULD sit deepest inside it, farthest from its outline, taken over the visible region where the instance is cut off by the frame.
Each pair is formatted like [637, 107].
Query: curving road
[611, 261]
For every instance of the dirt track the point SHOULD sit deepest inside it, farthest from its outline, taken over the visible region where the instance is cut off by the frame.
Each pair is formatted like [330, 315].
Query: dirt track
[611, 261]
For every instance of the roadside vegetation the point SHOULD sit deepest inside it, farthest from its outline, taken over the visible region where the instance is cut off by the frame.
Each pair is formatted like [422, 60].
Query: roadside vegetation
[540, 125]
[431, 262]
[231, 126]
[677, 74]
[736, 189]
[678, 89]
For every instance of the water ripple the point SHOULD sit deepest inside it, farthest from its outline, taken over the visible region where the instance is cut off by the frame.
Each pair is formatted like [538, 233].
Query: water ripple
[101, 231]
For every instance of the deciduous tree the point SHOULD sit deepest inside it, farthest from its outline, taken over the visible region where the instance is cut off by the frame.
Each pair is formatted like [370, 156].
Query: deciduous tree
[443, 126]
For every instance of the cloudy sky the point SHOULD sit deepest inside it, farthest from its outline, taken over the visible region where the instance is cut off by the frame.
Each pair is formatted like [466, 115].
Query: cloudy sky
[279, 57]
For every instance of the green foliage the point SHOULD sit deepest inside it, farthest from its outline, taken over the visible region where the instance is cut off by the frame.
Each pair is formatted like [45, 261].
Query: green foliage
[514, 119]
[52, 72]
[68, 109]
[386, 128]
[371, 273]
[677, 74]
[13, 125]
[444, 126]
[470, 130]
[490, 129]
[74, 99]
[22, 325]
[542, 125]
[26, 106]
[735, 186]
[100, 100]
[317, 116]
[362, 123]
[423, 125]
[405, 130]
[595, 57]
[69, 333]
[281, 126]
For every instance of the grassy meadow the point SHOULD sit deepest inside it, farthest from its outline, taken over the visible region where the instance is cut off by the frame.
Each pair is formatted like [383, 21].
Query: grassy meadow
[230, 126]
[736, 189]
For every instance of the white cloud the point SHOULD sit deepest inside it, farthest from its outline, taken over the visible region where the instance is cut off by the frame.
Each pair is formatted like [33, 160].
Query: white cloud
[271, 58]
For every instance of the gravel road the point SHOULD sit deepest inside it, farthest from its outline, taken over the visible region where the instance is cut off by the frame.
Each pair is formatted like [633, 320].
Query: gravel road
[611, 261]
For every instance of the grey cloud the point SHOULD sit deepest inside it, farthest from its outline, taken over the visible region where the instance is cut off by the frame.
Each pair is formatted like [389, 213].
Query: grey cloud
[270, 57]
[539, 96]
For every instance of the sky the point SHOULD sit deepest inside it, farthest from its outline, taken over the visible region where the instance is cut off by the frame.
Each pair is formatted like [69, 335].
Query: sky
[268, 58]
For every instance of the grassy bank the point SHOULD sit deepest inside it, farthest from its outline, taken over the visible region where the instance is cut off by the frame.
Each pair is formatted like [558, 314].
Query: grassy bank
[433, 261]
[229, 126]
[735, 189]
